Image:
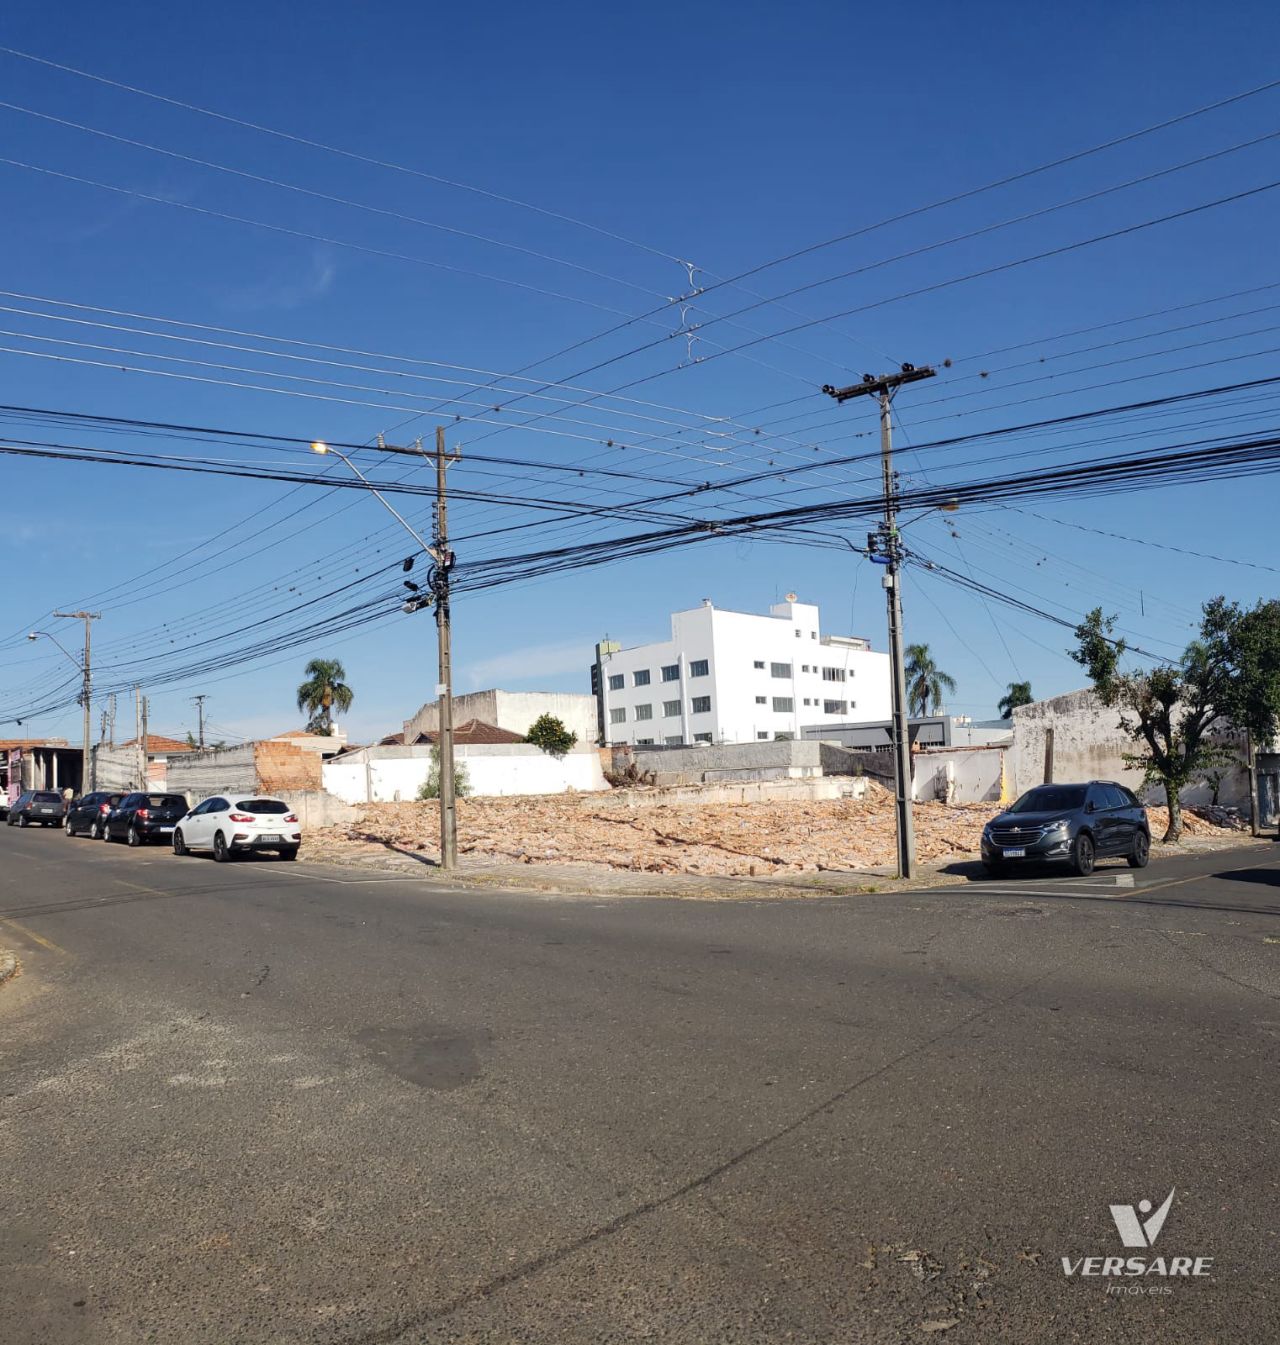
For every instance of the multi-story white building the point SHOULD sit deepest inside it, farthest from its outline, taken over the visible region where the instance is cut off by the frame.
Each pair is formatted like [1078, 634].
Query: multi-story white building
[735, 677]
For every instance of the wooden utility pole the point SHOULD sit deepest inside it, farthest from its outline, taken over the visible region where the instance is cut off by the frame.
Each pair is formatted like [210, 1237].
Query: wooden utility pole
[443, 558]
[885, 548]
[87, 772]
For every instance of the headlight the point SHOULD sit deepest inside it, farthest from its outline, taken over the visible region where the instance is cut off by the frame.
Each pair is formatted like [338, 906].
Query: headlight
[1058, 828]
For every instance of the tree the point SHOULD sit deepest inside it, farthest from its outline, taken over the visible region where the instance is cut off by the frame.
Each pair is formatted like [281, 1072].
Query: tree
[1231, 672]
[1019, 693]
[925, 681]
[550, 734]
[323, 692]
[431, 785]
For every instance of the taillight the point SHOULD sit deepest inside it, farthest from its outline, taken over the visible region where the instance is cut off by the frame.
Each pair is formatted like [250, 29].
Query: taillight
[104, 807]
[292, 817]
[240, 817]
[143, 813]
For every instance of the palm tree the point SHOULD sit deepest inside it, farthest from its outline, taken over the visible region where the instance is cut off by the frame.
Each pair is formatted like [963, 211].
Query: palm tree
[323, 692]
[925, 681]
[1019, 693]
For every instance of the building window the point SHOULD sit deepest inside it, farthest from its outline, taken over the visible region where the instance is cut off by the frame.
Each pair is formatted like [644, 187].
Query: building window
[677, 741]
[759, 663]
[833, 708]
[699, 667]
[813, 634]
[644, 742]
[804, 667]
[616, 681]
[644, 711]
[784, 737]
[700, 705]
[780, 669]
[833, 674]
[670, 672]
[762, 700]
[618, 716]
[701, 737]
[670, 709]
[764, 736]
[783, 705]
[640, 677]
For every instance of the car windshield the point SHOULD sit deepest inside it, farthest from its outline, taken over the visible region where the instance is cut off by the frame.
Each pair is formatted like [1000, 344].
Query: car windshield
[1051, 799]
[263, 806]
[166, 801]
[44, 796]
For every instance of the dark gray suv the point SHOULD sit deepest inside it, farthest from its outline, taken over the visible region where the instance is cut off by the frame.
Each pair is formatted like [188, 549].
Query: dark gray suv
[1075, 824]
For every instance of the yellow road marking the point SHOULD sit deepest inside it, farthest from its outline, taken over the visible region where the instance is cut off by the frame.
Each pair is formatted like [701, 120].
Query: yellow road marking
[37, 938]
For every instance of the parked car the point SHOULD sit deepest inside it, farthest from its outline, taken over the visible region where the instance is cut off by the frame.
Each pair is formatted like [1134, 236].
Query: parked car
[231, 826]
[85, 816]
[1077, 824]
[37, 805]
[139, 818]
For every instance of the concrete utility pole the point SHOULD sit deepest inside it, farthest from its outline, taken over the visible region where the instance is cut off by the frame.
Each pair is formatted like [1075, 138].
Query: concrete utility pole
[142, 747]
[886, 549]
[442, 564]
[86, 693]
[443, 558]
[200, 700]
[142, 738]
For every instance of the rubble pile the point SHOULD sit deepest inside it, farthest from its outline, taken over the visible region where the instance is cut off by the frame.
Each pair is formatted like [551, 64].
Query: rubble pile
[732, 840]
[1198, 820]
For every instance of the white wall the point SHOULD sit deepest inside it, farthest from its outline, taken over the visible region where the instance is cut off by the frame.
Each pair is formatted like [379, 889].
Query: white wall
[395, 774]
[959, 775]
[732, 643]
[513, 710]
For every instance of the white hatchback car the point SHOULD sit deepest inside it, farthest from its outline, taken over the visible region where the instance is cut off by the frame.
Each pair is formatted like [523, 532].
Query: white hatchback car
[230, 825]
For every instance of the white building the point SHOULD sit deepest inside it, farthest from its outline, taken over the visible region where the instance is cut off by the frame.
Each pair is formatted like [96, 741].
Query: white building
[735, 677]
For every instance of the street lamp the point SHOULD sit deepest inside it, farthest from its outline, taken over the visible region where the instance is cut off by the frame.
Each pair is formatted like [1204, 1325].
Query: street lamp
[85, 692]
[442, 559]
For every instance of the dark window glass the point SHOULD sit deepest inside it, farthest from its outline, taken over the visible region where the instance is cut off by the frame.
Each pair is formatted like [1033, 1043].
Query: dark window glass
[166, 801]
[780, 670]
[46, 796]
[1050, 799]
[262, 806]
[699, 668]
[670, 672]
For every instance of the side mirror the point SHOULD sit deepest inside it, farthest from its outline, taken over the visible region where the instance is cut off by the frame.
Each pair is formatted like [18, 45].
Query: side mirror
[1089, 808]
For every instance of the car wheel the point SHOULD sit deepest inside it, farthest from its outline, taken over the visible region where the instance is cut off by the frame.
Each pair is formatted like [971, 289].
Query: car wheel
[22, 820]
[290, 853]
[1082, 854]
[93, 830]
[133, 837]
[179, 845]
[1141, 851]
[66, 826]
[220, 851]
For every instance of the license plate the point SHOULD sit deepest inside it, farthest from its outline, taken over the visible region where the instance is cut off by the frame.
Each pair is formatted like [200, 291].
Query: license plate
[164, 829]
[271, 838]
[1015, 852]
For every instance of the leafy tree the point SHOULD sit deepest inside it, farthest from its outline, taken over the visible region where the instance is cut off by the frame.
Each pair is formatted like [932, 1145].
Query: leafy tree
[431, 785]
[550, 734]
[926, 682]
[1231, 671]
[1019, 693]
[324, 691]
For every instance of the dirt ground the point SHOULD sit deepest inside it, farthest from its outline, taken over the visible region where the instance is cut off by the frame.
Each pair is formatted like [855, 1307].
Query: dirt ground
[728, 840]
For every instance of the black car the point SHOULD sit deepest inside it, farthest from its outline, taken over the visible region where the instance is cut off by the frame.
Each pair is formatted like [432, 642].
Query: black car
[37, 805]
[139, 818]
[1076, 824]
[86, 815]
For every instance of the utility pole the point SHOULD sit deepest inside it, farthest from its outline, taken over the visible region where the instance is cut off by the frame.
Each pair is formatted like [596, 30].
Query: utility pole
[143, 740]
[200, 700]
[886, 549]
[443, 558]
[142, 747]
[87, 772]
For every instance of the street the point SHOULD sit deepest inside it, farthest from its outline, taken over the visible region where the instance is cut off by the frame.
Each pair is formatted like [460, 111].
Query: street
[262, 1101]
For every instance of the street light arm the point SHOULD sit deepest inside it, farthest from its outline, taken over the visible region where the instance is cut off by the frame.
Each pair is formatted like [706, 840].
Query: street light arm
[58, 642]
[386, 504]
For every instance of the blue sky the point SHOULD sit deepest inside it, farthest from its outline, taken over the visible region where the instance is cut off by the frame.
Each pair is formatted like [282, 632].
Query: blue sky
[727, 135]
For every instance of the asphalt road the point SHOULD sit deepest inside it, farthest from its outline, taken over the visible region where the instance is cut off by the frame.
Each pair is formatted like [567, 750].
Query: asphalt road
[278, 1102]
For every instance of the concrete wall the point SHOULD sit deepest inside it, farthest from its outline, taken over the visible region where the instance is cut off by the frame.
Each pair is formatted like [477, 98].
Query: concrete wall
[283, 766]
[391, 774]
[317, 808]
[116, 767]
[747, 791]
[787, 759]
[513, 710]
[1089, 744]
[961, 775]
[228, 770]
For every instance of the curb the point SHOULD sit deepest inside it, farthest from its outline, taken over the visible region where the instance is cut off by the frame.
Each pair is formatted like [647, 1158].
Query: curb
[8, 965]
